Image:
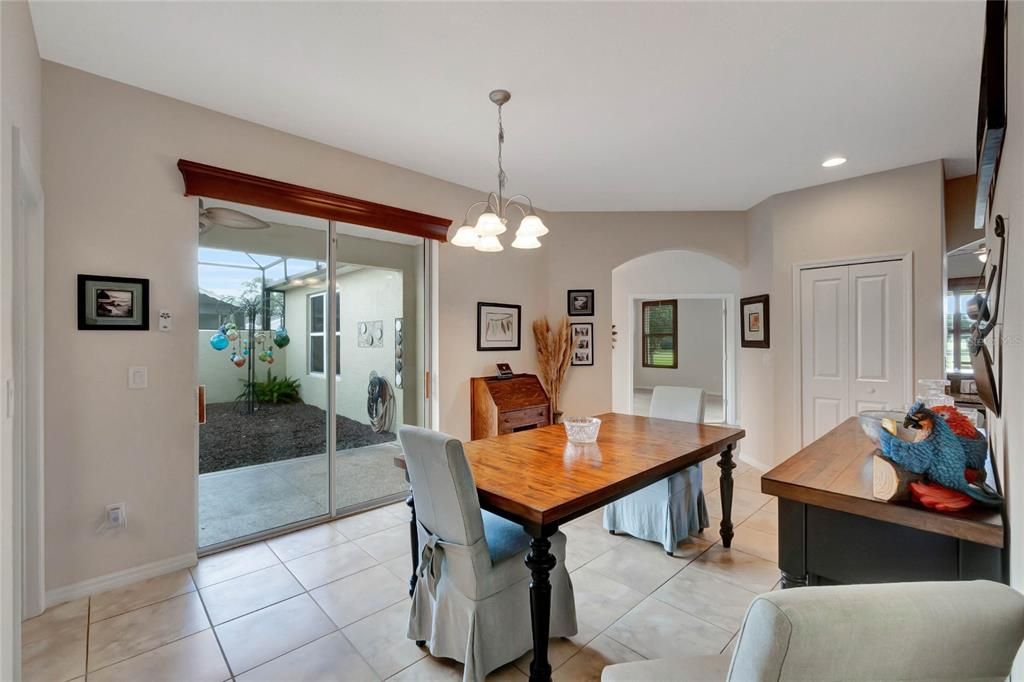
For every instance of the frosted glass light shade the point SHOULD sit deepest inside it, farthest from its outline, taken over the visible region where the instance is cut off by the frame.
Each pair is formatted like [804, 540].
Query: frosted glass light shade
[532, 226]
[489, 244]
[466, 236]
[525, 241]
[489, 225]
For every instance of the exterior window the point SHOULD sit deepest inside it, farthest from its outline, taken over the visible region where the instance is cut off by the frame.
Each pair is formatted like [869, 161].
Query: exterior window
[660, 337]
[958, 325]
[317, 347]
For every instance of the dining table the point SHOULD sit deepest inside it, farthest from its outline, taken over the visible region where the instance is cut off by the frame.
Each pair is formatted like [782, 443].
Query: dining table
[539, 480]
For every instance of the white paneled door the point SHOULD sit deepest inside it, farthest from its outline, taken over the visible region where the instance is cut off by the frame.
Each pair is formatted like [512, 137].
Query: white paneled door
[852, 341]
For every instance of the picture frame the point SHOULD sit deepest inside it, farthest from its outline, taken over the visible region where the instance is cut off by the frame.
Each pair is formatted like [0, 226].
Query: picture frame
[755, 322]
[499, 326]
[110, 303]
[580, 302]
[582, 336]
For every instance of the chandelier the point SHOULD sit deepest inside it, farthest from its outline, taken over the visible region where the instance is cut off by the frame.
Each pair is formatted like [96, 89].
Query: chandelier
[493, 219]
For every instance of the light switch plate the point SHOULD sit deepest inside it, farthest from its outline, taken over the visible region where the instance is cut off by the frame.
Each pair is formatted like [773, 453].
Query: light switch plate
[138, 377]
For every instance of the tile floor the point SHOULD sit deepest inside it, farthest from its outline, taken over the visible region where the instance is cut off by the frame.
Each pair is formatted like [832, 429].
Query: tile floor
[331, 603]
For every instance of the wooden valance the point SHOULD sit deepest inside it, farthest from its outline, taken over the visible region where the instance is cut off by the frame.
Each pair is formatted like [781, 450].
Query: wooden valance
[219, 183]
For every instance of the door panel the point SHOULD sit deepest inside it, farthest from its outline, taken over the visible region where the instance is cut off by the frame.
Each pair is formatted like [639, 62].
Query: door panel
[824, 300]
[876, 299]
[828, 412]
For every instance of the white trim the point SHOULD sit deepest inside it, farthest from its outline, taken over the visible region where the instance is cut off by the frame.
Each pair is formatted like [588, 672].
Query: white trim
[754, 462]
[117, 579]
[432, 409]
[907, 266]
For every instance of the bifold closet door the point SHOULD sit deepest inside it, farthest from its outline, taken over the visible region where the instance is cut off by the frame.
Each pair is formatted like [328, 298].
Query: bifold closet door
[852, 336]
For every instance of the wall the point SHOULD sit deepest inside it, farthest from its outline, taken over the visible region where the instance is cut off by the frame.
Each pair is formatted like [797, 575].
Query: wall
[958, 209]
[20, 107]
[701, 333]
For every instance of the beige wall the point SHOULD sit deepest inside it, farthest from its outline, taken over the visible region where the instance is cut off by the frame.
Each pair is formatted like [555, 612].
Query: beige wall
[959, 212]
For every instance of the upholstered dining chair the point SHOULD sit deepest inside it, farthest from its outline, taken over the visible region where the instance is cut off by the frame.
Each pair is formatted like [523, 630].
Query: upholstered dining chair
[471, 602]
[672, 509]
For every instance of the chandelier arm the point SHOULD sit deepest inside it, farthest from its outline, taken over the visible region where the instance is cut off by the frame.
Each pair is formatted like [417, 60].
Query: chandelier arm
[465, 220]
[512, 202]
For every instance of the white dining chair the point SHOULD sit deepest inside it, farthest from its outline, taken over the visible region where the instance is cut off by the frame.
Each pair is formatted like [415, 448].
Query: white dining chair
[673, 508]
[471, 602]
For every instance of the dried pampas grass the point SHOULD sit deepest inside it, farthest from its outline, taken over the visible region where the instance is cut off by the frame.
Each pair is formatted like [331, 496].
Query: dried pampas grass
[554, 352]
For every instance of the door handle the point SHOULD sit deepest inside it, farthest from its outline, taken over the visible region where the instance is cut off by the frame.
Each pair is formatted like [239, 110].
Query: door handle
[201, 403]
[871, 391]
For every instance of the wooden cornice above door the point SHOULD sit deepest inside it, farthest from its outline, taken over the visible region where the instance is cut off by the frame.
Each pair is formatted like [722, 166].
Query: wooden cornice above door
[220, 183]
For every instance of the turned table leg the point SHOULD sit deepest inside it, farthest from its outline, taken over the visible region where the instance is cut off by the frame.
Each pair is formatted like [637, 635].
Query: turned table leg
[540, 561]
[726, 464]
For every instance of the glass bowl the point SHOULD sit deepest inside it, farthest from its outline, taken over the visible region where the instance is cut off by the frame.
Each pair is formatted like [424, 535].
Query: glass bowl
[871, 423]
[582, 429]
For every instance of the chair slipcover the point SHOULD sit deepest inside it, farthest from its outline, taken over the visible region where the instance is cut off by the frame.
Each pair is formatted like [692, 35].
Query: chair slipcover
[672, 509]
[472, 597]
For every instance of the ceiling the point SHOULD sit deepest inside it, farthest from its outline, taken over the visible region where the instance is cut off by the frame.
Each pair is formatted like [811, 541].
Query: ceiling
[615, 106]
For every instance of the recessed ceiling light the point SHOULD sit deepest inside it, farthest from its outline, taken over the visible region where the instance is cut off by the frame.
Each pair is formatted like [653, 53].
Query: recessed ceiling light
[834, 161]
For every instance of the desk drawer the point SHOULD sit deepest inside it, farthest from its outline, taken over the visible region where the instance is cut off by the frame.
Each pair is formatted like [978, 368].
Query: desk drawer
[509, 421]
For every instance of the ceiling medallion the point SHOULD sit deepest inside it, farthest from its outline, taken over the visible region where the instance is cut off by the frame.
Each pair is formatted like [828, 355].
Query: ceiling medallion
[493, 219]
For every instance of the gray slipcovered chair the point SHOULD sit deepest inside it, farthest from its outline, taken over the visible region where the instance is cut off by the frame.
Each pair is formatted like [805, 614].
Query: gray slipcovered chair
[893, 631]
[471, 602]
[672, 509]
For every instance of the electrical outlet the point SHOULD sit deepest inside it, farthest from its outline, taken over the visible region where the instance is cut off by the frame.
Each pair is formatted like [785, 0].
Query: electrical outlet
[117, 515]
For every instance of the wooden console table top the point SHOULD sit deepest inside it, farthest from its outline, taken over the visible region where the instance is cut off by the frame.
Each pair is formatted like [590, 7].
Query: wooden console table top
[834, 472]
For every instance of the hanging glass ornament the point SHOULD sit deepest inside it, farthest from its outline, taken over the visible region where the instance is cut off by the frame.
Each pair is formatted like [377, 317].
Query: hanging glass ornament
[270, 359]
[263, 356]
[231, 331]
[281, 337]
[219, 342]
[239, 360]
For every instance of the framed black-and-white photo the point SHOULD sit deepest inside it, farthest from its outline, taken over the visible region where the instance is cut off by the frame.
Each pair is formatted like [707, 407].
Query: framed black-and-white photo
[582, 336]
[580, 302]
[113, 303]
[498, 326]
[754, 321]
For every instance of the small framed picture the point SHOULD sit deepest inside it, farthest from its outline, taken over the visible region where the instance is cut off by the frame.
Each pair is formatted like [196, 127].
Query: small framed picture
[582, 337]
[498, 326]
[581, 302]
[504, 370]
[115, 303]
[754, 322]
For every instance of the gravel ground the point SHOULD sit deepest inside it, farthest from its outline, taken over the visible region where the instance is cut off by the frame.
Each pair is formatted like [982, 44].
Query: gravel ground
[275, 432]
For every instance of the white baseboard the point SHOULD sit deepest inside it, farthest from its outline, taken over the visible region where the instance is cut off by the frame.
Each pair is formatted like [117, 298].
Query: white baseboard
[755, 462]
[117, 579]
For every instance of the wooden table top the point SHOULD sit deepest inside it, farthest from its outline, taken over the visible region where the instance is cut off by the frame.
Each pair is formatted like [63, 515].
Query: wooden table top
[538, 478]
[835, 472]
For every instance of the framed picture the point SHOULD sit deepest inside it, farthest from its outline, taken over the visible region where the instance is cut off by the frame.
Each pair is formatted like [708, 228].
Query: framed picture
[498, 326]
[580, 302]
[582, 336]
[116, 303]
[754, 319]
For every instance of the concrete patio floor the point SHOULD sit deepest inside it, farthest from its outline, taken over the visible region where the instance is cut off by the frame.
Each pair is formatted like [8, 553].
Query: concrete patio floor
[238, 502]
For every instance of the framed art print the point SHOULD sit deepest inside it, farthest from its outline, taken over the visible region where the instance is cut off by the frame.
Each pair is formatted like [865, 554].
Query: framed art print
[582, 336]
[580, 302]
[114, 303]
[498, 326]
[754, 318]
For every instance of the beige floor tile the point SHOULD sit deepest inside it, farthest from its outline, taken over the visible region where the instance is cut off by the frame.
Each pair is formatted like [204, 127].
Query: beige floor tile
[507, 673]
[387, 544]
[222, 566]
[600, 601]
[765, 520]
[400, 510]
[746, 570]
[307, 541]
[136, 632]
[750, 480]
[430, 669]
[329, 658]
[587, 664]
[744, 503]
[400, 567]
[559, 651]
[710, 474]
[381, 640]
[586, 542]
[366, 523]
[196, 658]
[731, 646]
[320, 568]
[594, 518]
[140, 594]
[53, 644]
[250, 592]
[642, 565]
[756, 542]
[709, 598]
[656, 630]
[258, 637]
[359, 595]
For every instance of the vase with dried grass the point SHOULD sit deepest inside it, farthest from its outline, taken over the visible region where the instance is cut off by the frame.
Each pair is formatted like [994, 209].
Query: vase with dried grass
[554, 354]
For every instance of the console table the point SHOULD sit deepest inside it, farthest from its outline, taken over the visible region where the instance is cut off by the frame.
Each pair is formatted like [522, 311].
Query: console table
[832, 530]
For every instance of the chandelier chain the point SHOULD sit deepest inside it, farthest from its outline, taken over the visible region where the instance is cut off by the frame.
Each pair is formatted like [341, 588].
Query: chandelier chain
[502, 178]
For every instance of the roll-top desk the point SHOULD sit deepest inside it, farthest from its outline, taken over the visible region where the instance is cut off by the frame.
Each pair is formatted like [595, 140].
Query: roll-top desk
[499, 406]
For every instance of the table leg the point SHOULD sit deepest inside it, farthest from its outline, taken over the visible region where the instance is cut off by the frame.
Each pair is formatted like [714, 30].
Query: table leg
[540, 561]
[414, 542]
[789, 580]
[726, 464]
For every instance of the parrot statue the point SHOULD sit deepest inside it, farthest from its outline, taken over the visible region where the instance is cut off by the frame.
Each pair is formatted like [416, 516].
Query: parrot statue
[939, 454]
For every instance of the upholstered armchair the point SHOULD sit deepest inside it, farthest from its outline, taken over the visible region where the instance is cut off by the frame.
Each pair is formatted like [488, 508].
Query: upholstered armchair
[673, 508]
[895, 631]
[471, 602]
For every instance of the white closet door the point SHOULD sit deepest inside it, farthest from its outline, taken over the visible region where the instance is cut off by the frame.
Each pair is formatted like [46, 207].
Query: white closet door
[825, 335]
[877, 375]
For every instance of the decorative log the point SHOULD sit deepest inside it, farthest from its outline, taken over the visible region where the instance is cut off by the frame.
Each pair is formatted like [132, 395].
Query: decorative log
[891, 482]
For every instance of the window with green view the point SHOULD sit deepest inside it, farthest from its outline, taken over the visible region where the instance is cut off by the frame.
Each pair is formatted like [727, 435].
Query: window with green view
[660, 340]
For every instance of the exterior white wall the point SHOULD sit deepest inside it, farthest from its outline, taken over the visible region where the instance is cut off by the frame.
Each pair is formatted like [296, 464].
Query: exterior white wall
[700, 355]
